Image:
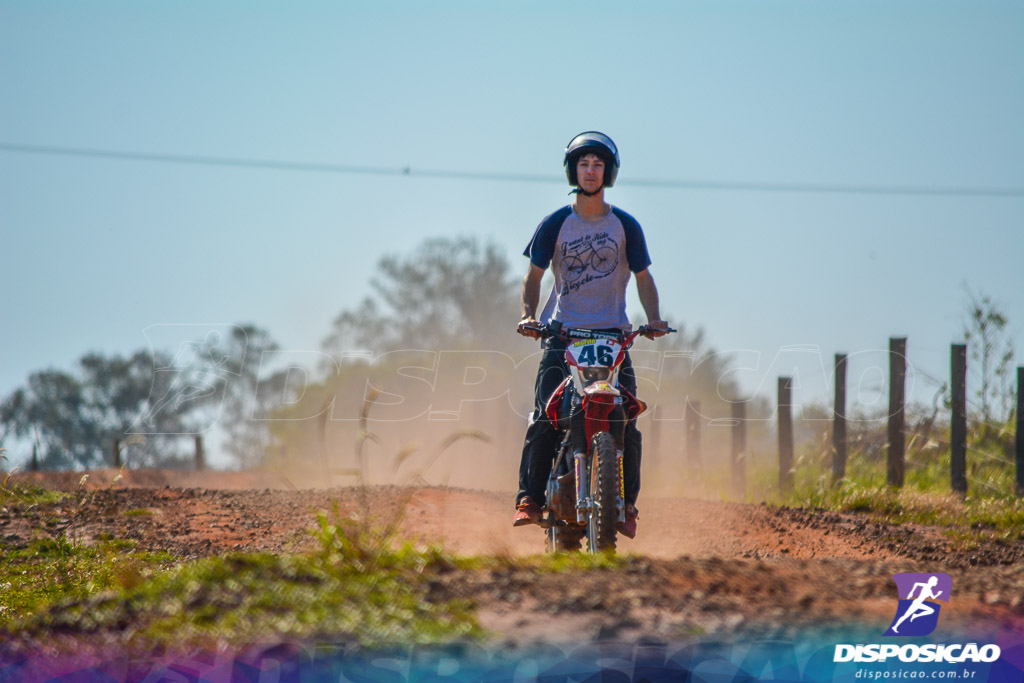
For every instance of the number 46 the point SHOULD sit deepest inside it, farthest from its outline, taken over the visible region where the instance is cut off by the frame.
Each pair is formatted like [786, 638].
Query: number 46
[597, 355]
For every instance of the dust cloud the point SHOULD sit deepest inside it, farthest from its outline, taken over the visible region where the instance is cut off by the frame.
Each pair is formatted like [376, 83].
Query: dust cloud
[457, 419]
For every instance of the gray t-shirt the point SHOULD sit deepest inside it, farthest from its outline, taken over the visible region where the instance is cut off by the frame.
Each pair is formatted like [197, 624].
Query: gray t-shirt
[592, 262]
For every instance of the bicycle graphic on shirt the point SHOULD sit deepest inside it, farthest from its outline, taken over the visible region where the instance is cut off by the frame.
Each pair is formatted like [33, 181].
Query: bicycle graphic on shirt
[601, 254]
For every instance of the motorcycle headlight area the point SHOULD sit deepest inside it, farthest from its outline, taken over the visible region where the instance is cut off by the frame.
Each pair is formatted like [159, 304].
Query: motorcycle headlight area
[598, 374]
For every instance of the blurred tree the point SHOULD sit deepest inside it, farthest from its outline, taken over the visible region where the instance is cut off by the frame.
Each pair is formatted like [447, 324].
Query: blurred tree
[48, 410]
[147, 401]
[991, 346]
[244, 391]
[219, 385]
[74, 420]
[449, 293]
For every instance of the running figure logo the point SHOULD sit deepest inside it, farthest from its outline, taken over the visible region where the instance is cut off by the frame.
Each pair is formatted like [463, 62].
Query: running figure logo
[918, 613]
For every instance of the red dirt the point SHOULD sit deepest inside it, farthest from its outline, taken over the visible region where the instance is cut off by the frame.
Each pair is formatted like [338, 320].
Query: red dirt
[229, 513]
[702, 566]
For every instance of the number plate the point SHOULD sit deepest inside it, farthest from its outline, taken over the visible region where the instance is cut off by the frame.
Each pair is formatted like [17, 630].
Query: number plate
[594, 352]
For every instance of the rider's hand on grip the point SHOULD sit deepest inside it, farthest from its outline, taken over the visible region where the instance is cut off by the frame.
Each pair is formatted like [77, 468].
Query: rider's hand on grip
[529, 327]
[657, 328]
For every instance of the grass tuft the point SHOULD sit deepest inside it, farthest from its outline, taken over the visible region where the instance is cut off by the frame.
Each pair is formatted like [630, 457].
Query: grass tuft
[26, 494]
[53, 570]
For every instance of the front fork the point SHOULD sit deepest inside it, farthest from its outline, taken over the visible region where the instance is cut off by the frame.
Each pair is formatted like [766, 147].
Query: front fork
[579, 447]
[582, 486]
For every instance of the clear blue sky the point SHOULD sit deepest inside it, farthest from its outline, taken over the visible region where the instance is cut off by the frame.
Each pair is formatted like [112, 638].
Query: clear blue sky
[882, 94]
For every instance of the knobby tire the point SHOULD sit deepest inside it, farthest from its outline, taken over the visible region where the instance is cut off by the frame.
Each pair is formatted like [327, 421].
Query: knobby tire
[604, 489]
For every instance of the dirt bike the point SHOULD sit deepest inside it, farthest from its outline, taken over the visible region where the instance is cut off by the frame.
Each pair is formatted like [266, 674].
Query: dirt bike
[585, 491]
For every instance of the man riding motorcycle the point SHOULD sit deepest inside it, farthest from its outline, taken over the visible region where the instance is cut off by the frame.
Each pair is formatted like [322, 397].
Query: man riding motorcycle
[593, 249]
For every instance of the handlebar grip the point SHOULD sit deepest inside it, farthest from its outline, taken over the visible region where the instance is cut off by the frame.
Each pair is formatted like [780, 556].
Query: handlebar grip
[538, 327]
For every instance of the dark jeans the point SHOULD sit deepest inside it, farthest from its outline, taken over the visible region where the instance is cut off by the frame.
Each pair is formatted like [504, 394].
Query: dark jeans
[542, 440]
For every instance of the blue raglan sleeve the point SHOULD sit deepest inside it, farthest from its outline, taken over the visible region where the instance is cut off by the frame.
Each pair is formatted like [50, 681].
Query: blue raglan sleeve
[541, 248]
[636, 245]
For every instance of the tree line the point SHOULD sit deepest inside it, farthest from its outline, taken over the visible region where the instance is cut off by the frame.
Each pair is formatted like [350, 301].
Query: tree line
[145, 402]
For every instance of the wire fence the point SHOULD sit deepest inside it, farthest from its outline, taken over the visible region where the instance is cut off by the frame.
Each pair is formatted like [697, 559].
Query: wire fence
[958, 433]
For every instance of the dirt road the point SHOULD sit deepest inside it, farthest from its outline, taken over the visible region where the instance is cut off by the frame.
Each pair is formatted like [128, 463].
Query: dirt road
[701, 566]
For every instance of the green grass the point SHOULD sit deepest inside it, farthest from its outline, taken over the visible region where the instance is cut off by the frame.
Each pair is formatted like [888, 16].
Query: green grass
[925, 498]
[242, 597]
[52, 570]
[561, 563]
[372, 595]
[20, 493]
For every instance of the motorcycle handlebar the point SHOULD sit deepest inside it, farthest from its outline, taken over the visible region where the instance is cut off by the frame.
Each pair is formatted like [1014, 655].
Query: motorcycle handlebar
[556, 330]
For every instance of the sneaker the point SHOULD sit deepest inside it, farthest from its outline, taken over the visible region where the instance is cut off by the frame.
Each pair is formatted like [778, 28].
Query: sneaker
[628, 528]
[527, 512]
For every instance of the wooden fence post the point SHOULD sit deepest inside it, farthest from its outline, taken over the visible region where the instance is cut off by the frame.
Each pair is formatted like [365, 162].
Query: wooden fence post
[785, 433]
[117, 453]
[839, 422]
[692, 422]
[897, 394]
[739, 449]
[1020, 432]
[958, 420]
[200, 457]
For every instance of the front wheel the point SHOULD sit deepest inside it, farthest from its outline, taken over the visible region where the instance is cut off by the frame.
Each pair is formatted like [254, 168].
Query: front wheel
[604, 491]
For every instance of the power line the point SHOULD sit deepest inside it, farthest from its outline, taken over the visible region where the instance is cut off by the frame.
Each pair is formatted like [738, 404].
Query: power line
[741, 186]
[268, 163]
